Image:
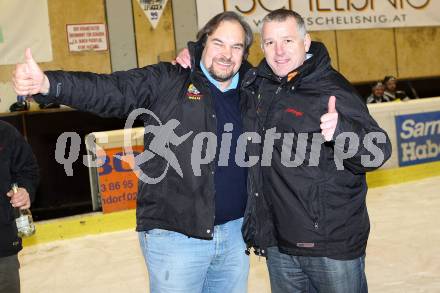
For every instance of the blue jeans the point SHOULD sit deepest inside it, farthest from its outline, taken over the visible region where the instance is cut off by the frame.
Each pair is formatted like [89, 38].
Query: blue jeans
[178, 263]
[292, 274]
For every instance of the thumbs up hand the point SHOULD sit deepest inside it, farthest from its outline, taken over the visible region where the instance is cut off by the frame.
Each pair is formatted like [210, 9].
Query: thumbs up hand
[28, 78]
[329, 120]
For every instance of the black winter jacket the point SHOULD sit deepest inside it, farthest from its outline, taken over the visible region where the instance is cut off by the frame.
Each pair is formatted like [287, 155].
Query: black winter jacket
[184, 205]
[18, 165]
[316, 209]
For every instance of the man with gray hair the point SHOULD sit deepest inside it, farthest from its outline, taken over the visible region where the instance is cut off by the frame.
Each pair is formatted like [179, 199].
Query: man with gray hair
[318, 234]
[319, 212]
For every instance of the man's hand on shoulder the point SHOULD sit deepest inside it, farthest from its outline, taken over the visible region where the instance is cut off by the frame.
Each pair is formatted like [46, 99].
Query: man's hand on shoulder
[183, 59]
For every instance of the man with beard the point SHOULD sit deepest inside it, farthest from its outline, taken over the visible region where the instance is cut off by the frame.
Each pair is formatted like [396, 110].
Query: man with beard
[189, 226]
[318, 210]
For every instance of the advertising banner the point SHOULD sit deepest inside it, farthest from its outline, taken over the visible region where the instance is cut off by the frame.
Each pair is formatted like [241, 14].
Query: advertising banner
[118, 184]
[331, 14]
[418, 138]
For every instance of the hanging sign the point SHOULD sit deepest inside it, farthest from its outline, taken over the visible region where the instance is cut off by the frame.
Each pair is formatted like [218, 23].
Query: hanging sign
[153, 10]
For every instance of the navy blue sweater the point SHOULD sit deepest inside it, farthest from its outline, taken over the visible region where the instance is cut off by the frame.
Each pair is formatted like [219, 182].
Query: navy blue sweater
[230, 180]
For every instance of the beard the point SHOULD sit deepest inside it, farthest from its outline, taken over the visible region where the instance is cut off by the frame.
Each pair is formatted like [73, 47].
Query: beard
[218, 75]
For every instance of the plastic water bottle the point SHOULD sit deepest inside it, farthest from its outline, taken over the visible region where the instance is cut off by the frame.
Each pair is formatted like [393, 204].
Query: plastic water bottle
[23, 219]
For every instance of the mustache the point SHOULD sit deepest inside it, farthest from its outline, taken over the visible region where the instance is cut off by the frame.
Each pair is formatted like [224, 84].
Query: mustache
[224, 60]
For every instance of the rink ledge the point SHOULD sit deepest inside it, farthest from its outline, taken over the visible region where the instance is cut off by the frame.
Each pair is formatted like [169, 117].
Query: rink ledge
[97, 223]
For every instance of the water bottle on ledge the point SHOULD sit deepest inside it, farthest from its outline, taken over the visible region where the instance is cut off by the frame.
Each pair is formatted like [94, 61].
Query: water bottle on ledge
[23, 219]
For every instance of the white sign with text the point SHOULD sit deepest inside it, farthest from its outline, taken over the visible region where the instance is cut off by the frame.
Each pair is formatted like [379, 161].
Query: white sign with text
[87, 37]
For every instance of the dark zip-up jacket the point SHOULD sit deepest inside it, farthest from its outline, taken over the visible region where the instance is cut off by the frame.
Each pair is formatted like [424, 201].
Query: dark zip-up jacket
[316, 209]
[18, 165]
[185, 205]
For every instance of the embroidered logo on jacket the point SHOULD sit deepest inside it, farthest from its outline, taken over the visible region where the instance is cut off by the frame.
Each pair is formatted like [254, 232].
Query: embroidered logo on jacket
[294, 112]
[193, 93]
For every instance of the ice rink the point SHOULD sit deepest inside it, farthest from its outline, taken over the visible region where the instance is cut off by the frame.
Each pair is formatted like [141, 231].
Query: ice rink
[403, 252]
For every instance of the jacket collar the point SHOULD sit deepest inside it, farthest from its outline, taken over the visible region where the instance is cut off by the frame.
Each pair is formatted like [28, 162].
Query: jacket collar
[312, 68]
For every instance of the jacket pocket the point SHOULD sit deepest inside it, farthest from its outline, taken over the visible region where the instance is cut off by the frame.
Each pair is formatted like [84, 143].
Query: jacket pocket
[258, 227]
[161, 233]
[249, 227]
[300, 116]
[318, 212]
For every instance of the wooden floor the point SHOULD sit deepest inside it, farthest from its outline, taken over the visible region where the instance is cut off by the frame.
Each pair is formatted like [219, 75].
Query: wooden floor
[403, 252]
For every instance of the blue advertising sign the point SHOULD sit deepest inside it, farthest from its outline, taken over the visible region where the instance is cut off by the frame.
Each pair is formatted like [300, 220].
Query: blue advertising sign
[418, 138]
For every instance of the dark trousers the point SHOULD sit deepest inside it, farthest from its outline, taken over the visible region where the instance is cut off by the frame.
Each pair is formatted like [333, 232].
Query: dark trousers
[9, 274]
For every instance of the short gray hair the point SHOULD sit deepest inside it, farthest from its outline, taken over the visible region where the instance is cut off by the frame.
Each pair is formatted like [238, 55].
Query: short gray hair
[282, 14]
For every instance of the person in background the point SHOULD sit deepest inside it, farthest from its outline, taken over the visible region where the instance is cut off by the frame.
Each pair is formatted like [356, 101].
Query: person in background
[377, 94]
[18, 165]
[391, 91]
